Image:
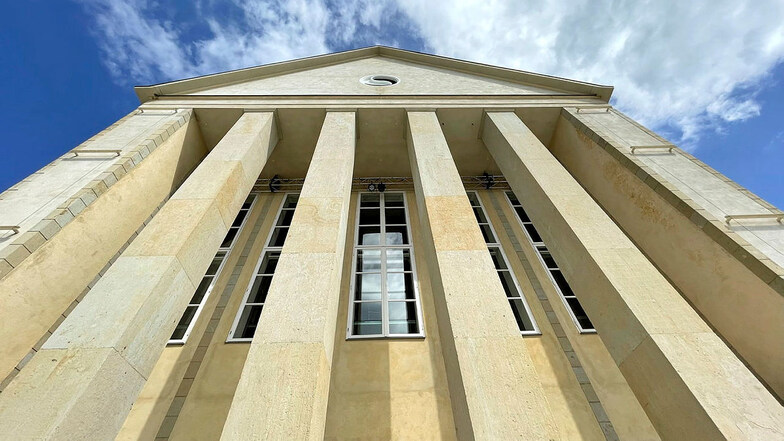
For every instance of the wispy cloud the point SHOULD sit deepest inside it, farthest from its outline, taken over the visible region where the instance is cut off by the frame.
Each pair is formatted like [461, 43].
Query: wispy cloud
[681, 67]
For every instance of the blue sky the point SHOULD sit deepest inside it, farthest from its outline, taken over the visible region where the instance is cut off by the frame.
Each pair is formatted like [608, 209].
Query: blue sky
[708, 75]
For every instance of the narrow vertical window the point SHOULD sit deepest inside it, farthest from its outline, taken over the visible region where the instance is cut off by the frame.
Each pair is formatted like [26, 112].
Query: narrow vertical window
[256, 293]
[385, 300]
[567, 295]
[196, 304]
[522, 314]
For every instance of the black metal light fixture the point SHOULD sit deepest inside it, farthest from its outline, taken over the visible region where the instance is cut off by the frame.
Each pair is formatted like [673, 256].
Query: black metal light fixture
[371, 187]
[381, 187]
[274, 184]
[488, 180]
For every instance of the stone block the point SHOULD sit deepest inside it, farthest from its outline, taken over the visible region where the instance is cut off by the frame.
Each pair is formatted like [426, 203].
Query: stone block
[61, 216]
[218, 181]
[31, 240]
[14, 254]
[452, 223]
[319, 226]
[5, 267]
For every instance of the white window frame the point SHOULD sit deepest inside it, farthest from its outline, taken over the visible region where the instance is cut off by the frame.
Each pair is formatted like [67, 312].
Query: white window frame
[498, 245]
[227, 252]
[543, 246]
[267, 248]
[384, 295]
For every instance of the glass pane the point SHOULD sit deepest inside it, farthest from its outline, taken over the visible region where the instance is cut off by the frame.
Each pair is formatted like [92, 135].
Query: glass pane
[269, 263]
[480, 215]
[393, 199]
[215, 264]
[579, 313]
[291, 201]
[260, 289]
[395, 216]
[249, 320]
[523, 215]
[369, 236]
[406, 327]
[370, 216]
[532, 232]
[487, 233]
[285, 217]
[549, 262]
[229, 237]
[402, 313]
[397, 235]
[473, 199]
[560, 280]
[398, 260]
[400, 286]
[508, 283]
[369, 261]
[278, 236]
[201, 290]
[240, 217]
[524, 322]
[368, 287]
[367, 318]
[185, 321]
[512, 198]
[498, 258]
[370, 200]
[248, 202]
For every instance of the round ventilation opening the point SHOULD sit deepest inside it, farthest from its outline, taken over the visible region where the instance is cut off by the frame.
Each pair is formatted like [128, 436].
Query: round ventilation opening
[380, 80]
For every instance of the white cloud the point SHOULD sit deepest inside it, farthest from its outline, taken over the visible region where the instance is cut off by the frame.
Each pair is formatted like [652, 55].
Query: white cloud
[684, 67]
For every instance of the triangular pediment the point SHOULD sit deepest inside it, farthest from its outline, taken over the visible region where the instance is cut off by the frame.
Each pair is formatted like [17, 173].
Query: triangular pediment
[340, 74]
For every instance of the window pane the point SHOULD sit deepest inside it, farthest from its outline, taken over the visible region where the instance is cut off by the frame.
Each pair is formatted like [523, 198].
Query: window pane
[370, 216]
[402, 318]
[533, 233]
[522, 214]
[249, 320]
[240, 217]
[480, 215]
[260, 289]
[397, 235]
[369, 236]
[215, 264]
[185, 321]
[521, 316]
[560, 280]
[369, 261]
[487, 233]
[549, 262]
[398, 260]
[393, 199]
[508, 284]
[247, 203]
[498, 258]
[512, 198]
[579, 313]
[395, 216]
[229, 237]
[400, 286]
[291, 201]
[269, 263]
[473, 200]
[367, 318]
[278, 236]
[285, 218]
[368, 287]
[370, 200]
[201, 290]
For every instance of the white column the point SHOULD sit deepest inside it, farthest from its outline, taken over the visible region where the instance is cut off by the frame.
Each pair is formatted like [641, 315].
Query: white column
[284, 387]
[83, 381]
[690, 384]
[494, 387]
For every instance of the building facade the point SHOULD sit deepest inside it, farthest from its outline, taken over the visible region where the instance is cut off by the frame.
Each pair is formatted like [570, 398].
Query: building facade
[381, 244]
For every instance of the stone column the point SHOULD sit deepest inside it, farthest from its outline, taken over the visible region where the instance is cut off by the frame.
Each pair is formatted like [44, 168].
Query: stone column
[83, 381]
[284, 387]
[688, 381]
[495, 391]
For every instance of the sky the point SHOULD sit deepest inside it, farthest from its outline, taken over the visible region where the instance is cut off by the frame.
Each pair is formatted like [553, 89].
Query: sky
[706, 74]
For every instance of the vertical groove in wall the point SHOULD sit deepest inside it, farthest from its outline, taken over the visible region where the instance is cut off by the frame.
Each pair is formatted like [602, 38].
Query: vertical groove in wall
[579, 372]
[193, 367]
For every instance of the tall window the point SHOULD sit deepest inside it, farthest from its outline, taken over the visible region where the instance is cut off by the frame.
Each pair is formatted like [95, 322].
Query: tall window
[514, 294]
[384, 301]
[572, 304]
[256, 293]
[196, 304]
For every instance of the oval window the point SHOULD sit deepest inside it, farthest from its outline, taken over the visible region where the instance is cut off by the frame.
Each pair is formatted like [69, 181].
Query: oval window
[380, 80]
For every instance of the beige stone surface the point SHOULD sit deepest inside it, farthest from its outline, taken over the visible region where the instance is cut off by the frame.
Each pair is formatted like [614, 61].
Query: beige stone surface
[637, 313]
[291, 351]
[136, 319]
[494, 388]
[35, 294]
